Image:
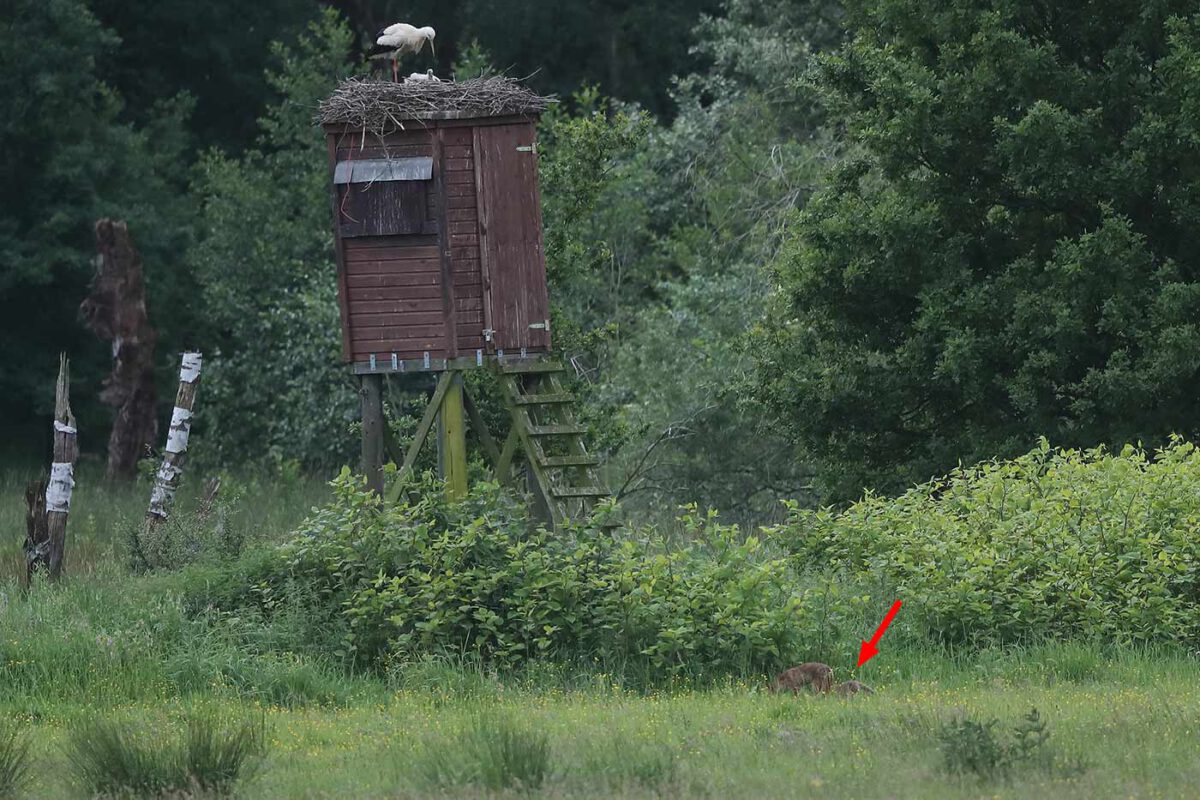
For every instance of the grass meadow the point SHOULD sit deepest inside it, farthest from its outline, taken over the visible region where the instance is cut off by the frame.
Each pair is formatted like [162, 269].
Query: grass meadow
[110, 686]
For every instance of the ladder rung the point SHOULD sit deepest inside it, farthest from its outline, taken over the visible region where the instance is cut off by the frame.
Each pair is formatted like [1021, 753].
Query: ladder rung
[581, 491]
[569, 461]
[556, 430]
[532, 366]
[539, 399]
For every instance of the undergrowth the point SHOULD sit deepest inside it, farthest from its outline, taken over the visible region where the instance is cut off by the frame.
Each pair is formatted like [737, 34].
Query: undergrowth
[979, 749]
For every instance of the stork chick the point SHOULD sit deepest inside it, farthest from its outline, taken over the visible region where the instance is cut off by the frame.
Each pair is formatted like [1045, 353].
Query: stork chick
[427, 75]
[404, 38]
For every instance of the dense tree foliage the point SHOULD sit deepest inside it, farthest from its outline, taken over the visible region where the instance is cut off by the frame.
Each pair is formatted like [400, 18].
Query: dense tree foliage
[689, 222]
[1009, 254]
[66, 160]
[787, 239]
[277, 389]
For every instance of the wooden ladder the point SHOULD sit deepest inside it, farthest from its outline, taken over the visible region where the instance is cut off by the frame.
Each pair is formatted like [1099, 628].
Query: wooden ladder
[545, 427]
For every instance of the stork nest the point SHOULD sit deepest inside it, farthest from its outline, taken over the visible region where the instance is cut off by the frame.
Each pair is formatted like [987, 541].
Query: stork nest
[383, 106]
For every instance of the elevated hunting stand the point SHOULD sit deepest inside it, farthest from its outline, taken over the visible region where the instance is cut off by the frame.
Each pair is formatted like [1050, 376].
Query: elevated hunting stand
[438, 230]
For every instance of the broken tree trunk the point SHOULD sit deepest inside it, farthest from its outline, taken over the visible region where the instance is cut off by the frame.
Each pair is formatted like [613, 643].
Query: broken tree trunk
[115, 310]
[166, 480]
[49, 501]
[37, 534]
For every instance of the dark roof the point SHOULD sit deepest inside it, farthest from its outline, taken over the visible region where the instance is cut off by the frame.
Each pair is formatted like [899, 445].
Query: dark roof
[382, 106]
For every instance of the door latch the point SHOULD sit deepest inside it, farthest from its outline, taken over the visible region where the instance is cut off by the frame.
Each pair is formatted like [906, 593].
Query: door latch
[529, 148]
[544, 325]
[487, 334]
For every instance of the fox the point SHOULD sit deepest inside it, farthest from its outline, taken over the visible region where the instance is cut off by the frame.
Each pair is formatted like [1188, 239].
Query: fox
[851, 688]
[818, 676]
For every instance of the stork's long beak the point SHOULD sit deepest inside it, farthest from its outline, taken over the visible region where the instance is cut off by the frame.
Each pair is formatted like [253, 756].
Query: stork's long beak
[432, 49]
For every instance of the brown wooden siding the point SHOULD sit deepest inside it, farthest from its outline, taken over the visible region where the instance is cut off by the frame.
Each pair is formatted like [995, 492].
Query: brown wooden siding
[398, 293]
[395, 304]
[462, 220]
[513, 266]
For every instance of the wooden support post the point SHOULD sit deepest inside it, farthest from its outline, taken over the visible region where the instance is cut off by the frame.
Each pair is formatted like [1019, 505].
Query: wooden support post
[504, 463]
[422, 433]
[50, 501]
[453, 431]
[166, 480]
[372, 431]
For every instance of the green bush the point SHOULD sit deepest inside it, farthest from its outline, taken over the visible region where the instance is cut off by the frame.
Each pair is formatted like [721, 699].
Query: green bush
[1057, 544]
[475, 579]
[970, 747]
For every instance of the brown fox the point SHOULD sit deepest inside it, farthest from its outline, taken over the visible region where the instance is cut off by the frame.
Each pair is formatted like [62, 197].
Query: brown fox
[851, 688]
[818, 676]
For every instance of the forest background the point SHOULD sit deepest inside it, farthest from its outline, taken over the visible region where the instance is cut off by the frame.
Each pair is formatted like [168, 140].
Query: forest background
[797, 249]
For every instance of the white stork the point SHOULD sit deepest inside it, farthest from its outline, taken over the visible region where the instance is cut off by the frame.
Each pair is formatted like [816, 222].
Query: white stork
[404, 38]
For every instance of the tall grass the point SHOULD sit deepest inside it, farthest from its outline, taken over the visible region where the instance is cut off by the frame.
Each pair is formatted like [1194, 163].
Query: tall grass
[494, 753]
[15, 759]
[107, 758]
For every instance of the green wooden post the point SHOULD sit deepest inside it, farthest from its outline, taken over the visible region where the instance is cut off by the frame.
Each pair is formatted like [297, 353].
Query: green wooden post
[453, 430]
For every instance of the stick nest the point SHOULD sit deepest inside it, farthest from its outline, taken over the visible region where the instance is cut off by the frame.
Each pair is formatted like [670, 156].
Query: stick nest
[383, 106]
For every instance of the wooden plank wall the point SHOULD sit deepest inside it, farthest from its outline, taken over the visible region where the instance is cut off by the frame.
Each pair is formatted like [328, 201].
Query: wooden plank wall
[462, 217]
[512, 235]
[395, 296]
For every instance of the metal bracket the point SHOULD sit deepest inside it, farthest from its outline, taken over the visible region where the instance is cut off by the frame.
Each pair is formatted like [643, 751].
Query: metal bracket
[487, 334]
[426, 359]
[372, 361]
[479, 358]
[529, 148]
[395, 362]
[544, 325]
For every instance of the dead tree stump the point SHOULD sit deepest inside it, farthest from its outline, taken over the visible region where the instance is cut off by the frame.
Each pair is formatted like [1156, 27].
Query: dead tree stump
[166, 480]
[48, 501]
[115, 310]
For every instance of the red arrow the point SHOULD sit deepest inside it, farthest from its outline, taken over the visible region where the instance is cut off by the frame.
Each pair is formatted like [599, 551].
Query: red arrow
[871, 649]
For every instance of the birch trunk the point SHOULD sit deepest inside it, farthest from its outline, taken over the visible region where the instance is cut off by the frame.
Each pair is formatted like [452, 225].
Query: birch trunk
[49, 501]
[166, 480]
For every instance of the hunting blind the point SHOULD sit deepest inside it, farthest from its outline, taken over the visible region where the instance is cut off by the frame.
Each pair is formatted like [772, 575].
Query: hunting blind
[438, 233]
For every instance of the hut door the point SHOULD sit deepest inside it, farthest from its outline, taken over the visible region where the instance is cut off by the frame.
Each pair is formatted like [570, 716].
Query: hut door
[510, 214]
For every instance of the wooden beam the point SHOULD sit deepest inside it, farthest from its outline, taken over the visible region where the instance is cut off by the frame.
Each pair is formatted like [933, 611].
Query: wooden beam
[414, 449]
[504, 462]
[481, 430]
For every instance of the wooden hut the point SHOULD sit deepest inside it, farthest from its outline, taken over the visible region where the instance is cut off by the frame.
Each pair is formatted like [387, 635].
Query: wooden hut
[437, 220]
[438, 226]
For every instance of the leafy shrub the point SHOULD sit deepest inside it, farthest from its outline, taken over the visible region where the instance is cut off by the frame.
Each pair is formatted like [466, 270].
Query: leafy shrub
[185, 538]
[426, 577]
[495, 753]
[15, 759]
[1056, 544]
[108, 759]
[975, 748]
